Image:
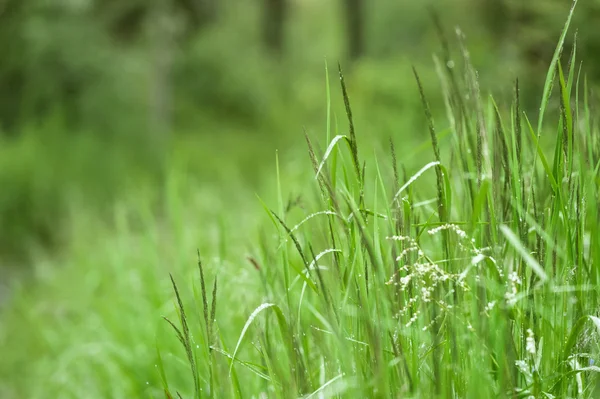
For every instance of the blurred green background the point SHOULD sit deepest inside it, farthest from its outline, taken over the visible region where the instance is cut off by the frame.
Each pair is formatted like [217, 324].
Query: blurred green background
[100, 97]
[157, 105]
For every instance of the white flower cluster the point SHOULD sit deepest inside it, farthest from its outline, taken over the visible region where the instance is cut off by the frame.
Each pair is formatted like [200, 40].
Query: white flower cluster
[400, 238]
[530, 342]
[511, 295]
[419, 276]
[407, 250]
[423, 278]
[449, 226]
[489, 307]
[414, 318]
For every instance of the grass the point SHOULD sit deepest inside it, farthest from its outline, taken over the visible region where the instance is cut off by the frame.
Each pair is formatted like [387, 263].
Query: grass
[470, 272]
[480, 282]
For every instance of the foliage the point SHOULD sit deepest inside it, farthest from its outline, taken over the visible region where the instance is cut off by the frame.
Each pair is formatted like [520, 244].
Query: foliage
[467, 289]
[461, 260]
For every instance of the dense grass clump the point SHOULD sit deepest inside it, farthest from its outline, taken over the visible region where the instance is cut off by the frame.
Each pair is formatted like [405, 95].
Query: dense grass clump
[472, 274]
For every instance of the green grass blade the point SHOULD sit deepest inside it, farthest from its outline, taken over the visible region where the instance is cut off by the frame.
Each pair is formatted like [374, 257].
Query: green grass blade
[525, 254]
[552, 69]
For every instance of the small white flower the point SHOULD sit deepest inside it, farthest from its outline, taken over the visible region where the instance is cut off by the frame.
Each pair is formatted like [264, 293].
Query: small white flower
[400, 238]
[425, 294]
[521, 364]
[514, 278]
[405, 280]
[511, 297]
[413, 319]
[530, 342]
[459, 232]
[406, 251]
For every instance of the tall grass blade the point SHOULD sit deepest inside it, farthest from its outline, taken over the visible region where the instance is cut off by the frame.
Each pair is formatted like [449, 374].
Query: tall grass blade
[280, 320]
[552, 69]
[525, 254]
[352, 139]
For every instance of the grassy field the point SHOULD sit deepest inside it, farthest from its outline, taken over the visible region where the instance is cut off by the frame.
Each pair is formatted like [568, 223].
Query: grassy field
[463, 264]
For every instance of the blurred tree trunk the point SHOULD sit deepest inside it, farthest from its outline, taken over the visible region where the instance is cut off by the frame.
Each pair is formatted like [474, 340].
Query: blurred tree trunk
[199, 12]
[496, 17]
[211, 10]
[355, 28]
[162, 42]
[275, 14]
[13, 76]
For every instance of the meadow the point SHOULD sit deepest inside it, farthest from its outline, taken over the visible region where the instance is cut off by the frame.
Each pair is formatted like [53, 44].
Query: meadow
[440, 244]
